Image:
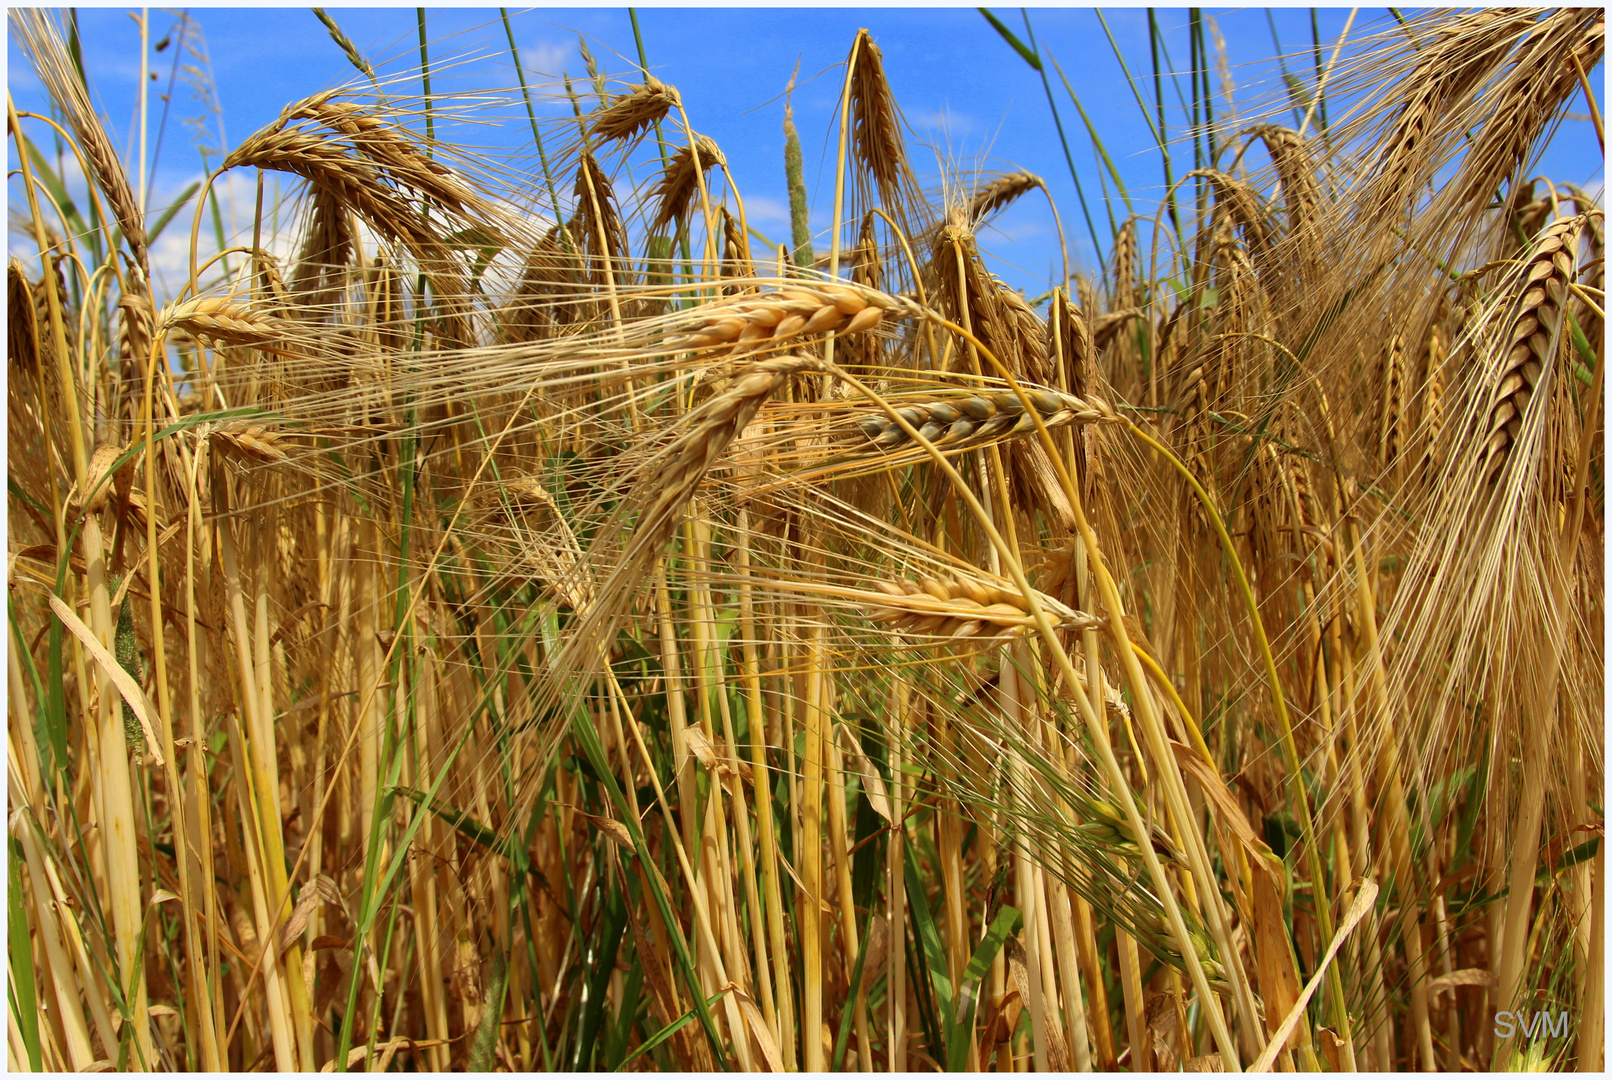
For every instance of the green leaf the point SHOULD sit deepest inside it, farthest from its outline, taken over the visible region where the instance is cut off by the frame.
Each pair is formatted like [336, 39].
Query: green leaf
[587, 736]
[475, 238]
[53, 183]
[669, 1030]
[607, 942]
[467, 826]
[168, 214]
[928, 936]
[1582, 853]
[1012, 39]
[23, 1003]
[485, 1041]
[846, 1013]
[979, 965]
[631, 996]
[1096, 140]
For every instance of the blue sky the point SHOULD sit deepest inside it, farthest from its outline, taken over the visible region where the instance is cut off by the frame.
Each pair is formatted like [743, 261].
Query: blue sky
[972, 104]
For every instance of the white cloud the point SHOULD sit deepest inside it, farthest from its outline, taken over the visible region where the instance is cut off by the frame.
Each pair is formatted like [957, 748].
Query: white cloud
[759, 208]
[550, 58]
[236, 193]
[942, 120]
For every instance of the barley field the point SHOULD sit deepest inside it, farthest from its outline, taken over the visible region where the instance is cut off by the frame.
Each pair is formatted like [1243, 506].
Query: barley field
[496, 613]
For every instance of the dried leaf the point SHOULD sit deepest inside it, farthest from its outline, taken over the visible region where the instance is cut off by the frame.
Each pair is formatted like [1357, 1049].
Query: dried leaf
[700, 746]
[136, 697]
[758, 1028]
[872, 783]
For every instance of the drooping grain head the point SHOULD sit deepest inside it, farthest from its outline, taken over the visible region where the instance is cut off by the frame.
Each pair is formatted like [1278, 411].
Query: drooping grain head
[1433, 393]
[22, 328]
[1245, 208]
[272, 291]
[221, 320]
[876, 125]
[326, 251]
[1069, 339]
[679, 185]
[998, 316]
[1463, 55]
[1244, 309]
[41, 38]
[735, 247]
[546, 303]
[136, 323]
[1532, 85]
[599, 231]
[973, 419]
[669, 479]
[629, 115]
[962, 606]
[1295, 171]
[990, 197]
[387, 312]
[1122, 264]
[1192, 407]
[866, 270]
[1391, 410]
[1531, 335]
[1070, 345]
[757, 321]
[366, 164]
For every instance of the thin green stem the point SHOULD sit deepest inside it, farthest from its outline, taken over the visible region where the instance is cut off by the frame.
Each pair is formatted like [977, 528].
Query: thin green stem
[1320, 86]
[1129, 78]
[1096, 140]
[683, 248]
[425, 81]
[537, 136]
[1046, 86]
[1288, 78]
[1158, 134]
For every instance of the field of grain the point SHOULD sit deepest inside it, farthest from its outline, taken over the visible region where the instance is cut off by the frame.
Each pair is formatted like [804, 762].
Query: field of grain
[534, 626]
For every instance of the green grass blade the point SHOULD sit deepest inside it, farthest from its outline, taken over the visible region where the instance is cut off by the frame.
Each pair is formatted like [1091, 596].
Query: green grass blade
[46, 733]
[1129, 78]
[605, 945]
[459, 821]
[587, 735]
[1321, 103]
[923, 994]
[669, 1030]
[1046, 86]
[631, 997]
[979, 965]
[1029, 54]
[425, 80]
[1154, 41]
[1208, 92]
[842, 1039]
[58, 192]
[537, 136]
[24, 1003]
[929, 937]
[168, 214]
[660, 140]
[1288, 79]
[1096, 140]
